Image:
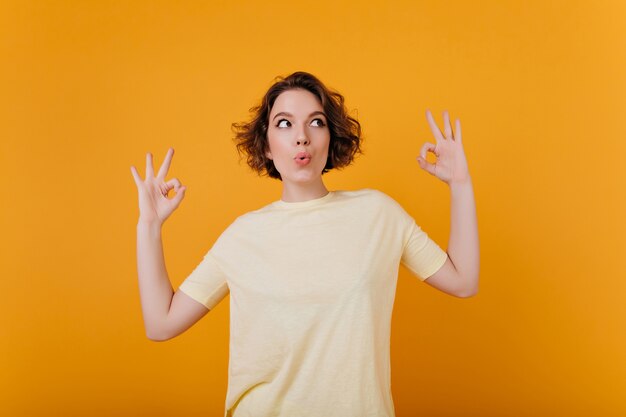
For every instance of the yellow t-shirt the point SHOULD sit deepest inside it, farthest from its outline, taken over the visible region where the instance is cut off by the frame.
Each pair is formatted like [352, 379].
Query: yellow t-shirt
[312, 286]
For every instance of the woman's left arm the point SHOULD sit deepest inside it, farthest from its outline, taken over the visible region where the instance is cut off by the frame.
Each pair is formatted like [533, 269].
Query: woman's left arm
[451, 167]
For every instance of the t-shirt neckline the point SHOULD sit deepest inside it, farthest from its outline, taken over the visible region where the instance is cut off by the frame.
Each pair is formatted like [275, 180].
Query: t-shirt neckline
[308, 203]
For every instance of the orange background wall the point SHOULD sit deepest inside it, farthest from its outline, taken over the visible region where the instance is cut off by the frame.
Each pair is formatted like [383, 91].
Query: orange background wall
[87, 88]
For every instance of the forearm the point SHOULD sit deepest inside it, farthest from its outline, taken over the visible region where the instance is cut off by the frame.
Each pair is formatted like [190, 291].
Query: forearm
[154, 285]
[463, 247]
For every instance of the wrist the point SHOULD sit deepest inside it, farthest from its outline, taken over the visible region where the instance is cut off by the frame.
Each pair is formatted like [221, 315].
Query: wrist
[464, 183]
[151, 224]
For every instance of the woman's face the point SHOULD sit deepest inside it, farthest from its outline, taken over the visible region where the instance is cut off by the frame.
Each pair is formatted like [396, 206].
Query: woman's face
[298, 128]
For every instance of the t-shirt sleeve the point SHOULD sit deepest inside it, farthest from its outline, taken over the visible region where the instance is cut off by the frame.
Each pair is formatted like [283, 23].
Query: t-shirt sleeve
[422, 255]
[207, 282]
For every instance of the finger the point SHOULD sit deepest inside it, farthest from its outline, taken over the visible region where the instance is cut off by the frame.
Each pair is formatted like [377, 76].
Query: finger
[457, 135]
[427, 166]
[136, 176]
[447, 128]
[433, 126]
[180, 194]
[166, 187]
[149, 169]
[173, 183]
[428, 147]
[165, 166]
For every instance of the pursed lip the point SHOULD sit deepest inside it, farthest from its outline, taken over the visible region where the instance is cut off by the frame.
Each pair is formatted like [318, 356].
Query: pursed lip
[302, 155]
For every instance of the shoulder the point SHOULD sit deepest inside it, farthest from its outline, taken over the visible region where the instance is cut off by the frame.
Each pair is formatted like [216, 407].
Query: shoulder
[388, 207]
[378, 197]
[251, 220]
[371, 199]
[370, 194]
[242, 226]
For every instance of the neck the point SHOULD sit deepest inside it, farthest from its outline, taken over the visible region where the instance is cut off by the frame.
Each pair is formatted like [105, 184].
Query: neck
[303, 192]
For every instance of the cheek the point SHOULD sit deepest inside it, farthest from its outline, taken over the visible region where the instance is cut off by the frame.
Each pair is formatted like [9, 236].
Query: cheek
[320, 136]
[273, 143]
[278, 150]
[275, 146]
[324, 141]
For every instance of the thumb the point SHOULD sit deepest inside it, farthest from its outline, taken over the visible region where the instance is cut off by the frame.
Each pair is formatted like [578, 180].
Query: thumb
[425, 165]
[180, 194]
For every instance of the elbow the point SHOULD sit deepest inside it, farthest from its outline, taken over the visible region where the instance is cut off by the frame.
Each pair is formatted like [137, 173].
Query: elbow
[157, 336]
[469, 291]
[157, 339]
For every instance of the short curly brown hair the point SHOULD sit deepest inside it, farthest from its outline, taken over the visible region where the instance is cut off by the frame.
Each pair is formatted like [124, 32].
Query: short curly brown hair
[345, 131]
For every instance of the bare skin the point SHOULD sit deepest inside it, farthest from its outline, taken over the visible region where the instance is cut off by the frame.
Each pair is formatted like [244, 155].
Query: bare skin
[154, 206]
[298, 124]
[166, 314]
[459, 275]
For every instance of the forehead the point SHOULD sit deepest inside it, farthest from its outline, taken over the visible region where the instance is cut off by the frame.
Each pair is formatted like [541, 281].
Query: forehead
[297, 101]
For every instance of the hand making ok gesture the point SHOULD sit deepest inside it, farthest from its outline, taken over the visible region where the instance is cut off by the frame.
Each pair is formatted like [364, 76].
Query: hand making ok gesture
[451, 164]
[154, 205]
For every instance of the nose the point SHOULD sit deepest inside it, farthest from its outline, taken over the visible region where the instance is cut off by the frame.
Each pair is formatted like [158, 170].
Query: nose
[301, 135]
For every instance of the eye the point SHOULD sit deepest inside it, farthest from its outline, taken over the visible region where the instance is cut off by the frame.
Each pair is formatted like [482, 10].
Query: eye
[282, 120]
[321, 122]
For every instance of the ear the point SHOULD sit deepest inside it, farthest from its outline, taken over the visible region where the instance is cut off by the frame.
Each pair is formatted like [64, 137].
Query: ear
[268, 154]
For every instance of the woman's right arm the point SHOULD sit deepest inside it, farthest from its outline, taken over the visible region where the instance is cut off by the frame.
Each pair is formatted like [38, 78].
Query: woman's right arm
[166, 314]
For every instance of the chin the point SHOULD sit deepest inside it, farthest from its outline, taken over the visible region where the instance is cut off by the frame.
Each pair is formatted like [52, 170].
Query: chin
[301, 180]
[305, 179]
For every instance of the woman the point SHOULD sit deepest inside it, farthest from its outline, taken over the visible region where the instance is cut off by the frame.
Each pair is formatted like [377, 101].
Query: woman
[311, 276]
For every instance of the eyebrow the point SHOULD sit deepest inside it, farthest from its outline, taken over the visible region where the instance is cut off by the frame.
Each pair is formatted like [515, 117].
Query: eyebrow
[284, 113]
